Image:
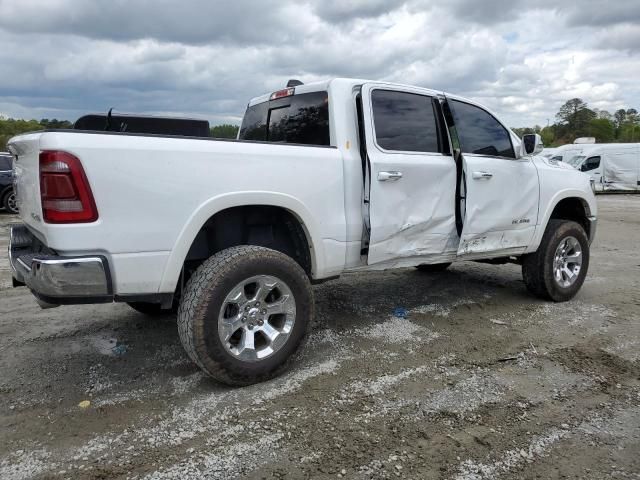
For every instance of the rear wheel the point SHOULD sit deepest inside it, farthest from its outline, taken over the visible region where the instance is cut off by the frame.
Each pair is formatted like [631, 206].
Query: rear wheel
[9, 202]
[244, 313]
[558, 269]
[433, 268]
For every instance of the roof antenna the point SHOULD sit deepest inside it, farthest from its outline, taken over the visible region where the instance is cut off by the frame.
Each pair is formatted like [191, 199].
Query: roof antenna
[294, 83]
[107, 125]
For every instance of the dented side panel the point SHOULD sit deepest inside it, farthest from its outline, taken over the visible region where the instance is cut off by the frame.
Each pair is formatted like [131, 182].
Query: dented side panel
[621, 169]
[501, 207]
[414, 216]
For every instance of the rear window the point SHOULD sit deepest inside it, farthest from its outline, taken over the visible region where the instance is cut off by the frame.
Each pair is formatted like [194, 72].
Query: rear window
[5, 163]
[404, 121]
[300, 119]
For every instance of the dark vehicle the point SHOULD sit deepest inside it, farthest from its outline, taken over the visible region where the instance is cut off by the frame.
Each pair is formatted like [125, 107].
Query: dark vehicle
[7, 195]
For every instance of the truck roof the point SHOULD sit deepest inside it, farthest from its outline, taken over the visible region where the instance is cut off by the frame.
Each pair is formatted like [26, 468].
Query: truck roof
[349, 83]
[344, 82]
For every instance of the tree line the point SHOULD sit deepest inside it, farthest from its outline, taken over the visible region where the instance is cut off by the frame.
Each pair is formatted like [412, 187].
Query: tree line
[575, 119]
[10, 127]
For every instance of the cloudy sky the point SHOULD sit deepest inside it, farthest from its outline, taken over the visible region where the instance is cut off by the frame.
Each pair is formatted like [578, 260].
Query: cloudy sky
[206, 58]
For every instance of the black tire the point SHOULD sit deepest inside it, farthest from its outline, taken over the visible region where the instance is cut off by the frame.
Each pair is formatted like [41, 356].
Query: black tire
[204, 295]
[151, 309]
[8, 202]
[433, 268]
[537, 268]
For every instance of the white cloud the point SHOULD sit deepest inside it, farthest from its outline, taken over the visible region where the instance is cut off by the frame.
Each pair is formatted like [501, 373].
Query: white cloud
[64, 57]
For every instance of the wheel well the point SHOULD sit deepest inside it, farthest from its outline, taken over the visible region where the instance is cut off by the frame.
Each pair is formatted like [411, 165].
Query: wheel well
[574, 209]
[261, 225]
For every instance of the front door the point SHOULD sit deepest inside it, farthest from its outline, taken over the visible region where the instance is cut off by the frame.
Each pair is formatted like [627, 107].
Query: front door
[593, 166]
[412, 177]
[501, 191]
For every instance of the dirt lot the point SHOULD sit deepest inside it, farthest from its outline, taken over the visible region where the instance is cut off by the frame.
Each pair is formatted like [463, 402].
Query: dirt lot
[479, 381]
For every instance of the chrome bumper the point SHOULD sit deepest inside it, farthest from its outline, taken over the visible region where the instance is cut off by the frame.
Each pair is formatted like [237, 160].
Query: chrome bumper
[54, 279]
[593, 223]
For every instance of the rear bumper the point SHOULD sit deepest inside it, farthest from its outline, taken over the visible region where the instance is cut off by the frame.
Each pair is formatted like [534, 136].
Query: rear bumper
[55, 279]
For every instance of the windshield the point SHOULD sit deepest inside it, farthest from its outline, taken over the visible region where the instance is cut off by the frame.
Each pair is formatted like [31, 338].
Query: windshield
[302, 118]
[575, 161]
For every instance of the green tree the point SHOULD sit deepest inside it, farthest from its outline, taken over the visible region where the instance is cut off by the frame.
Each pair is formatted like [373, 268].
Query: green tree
[605, 115]
[575, 116]
[10, 127]
[602, 129]
[620, 117]
[629, 133]
[548, 136]
[225, 131]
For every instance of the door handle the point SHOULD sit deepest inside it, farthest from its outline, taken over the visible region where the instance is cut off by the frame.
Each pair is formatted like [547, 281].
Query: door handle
[481, 175]
[385, 176]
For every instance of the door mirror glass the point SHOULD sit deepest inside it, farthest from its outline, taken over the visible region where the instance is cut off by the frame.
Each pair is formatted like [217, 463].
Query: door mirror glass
[532, 143]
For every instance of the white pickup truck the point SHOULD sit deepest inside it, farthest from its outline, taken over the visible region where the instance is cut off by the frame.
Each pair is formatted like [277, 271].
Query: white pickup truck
[324, 178]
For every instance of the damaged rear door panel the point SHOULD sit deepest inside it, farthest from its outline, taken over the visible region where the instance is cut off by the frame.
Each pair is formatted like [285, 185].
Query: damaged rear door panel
[412, 176]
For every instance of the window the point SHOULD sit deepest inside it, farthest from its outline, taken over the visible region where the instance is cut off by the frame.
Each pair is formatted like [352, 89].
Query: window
[302, 118]
[575, 161]
[590, 163]
[404, 121]
[480, 132]
[5, 163]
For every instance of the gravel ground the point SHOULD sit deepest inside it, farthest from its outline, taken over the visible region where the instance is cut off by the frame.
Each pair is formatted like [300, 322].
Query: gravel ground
[480, 381]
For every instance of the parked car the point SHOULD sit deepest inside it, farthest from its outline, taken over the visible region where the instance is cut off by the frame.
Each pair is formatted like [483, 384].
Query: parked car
[7, 195]
[326, 178]
[612, 166]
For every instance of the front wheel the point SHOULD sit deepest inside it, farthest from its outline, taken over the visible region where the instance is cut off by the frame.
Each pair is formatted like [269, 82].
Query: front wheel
[557, 270]
[244, 313]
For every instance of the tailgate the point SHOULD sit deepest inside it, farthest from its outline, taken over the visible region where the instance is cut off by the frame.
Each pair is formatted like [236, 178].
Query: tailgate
[26, 151]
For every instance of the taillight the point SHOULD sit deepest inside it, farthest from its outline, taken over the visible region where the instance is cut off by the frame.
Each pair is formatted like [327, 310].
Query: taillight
[287, 92]
[64, 189]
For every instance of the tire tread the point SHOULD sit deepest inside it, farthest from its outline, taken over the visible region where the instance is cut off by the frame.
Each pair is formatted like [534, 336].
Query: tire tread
[195, 301]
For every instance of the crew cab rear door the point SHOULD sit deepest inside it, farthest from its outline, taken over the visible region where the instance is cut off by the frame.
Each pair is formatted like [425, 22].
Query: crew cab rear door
[410, 189]
[500, 193]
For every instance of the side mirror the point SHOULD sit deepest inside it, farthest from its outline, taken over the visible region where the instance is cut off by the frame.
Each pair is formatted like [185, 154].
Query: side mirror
[532, 143]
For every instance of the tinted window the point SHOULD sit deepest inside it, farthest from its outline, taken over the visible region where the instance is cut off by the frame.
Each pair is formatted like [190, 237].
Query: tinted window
[480, 133]
[590, 163]
[254, 123]
[404, 121]
[300, 118]
[5, 163]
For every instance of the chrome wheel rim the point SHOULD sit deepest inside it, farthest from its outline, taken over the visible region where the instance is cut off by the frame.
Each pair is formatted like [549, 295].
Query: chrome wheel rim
[12, 203]
[567, 262]
[256, 318]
